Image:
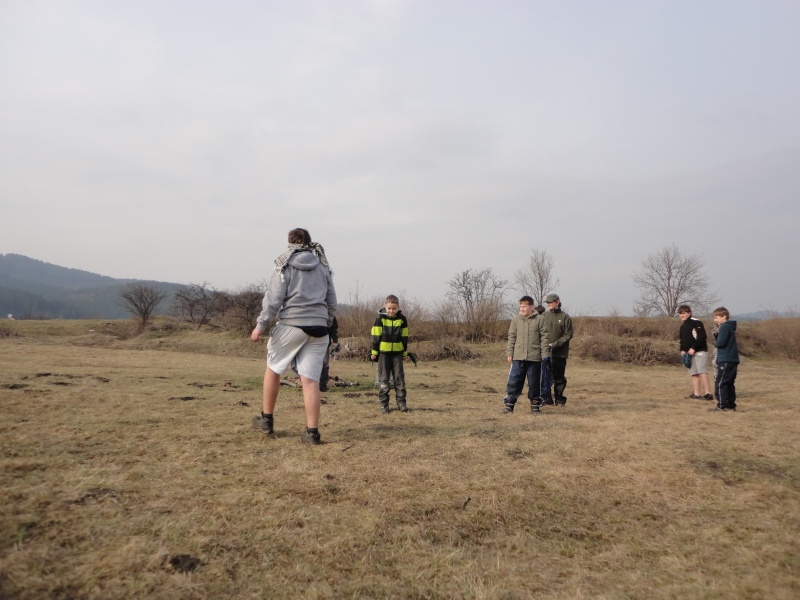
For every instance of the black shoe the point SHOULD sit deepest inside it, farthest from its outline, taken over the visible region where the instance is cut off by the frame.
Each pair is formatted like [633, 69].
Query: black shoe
[708, 397]
[385, 409]
[535, 407]
[694, 397]
[310, 438]
[561, 401]
[720, 409]
[401, 406]
[264, 425]
[548, 402]
[508, 408]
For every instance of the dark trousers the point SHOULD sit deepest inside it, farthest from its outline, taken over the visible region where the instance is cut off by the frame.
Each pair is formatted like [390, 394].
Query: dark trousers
[391, 366]
[725, 384]
[547, 379]
[519, 372]
[559, 377]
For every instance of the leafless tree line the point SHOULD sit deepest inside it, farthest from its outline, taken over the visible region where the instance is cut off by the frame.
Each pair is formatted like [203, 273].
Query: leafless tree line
[197, 303]
[475, 307]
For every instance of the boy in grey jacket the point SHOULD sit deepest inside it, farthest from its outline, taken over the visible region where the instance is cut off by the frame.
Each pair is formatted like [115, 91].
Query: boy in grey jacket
[301, 296]
[527, 346]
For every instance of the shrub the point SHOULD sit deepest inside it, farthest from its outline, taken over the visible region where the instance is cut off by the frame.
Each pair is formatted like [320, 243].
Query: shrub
[635, 351]
[8, 332]
[778, 337]
[661, 328]
[444, 349]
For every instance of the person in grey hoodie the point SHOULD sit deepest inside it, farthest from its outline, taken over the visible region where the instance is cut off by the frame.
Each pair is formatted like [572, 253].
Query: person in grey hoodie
[727, 361]
[300, 296]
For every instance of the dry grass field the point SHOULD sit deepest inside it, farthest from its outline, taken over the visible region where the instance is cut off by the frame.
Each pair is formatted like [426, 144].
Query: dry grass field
[130, 470]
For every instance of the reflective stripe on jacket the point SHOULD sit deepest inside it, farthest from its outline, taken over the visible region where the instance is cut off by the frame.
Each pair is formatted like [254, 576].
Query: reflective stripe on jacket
[390, 334]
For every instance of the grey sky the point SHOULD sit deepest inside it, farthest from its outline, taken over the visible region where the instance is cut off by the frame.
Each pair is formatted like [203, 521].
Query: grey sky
[181, 140]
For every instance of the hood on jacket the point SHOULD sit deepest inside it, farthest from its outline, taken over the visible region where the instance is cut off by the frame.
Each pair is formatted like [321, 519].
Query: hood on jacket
[731, 323]
[304, 261]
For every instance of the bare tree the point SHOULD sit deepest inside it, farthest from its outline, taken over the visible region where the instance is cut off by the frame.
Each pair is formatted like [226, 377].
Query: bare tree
[668, 279]
[245, 305]
[479, 297]
[535, 279]
[141, 300]
[196, 302]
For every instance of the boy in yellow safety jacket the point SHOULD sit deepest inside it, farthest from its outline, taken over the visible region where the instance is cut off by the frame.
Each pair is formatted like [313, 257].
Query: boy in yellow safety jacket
[389, 349]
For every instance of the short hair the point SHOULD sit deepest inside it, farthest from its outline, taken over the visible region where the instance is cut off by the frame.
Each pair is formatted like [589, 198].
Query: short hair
[684, 308]
[391, 298]
[722, 312]
[299, 236]
[526, 300]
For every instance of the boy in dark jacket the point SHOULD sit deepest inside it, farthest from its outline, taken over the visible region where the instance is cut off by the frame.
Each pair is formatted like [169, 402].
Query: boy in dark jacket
[389, 349]
[693, 344]
[727, 361]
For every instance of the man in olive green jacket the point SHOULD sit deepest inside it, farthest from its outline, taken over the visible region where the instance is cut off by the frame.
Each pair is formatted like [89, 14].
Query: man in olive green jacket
[559, 332]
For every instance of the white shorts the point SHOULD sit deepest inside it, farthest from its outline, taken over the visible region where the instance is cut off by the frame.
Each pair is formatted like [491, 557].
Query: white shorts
[699, 363]
[290, 346]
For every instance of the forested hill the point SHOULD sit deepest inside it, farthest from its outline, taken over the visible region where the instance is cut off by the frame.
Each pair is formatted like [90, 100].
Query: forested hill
[31, 288]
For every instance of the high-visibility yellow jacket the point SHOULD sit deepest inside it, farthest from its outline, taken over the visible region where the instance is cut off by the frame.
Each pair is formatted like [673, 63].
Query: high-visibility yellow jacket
[390, 334]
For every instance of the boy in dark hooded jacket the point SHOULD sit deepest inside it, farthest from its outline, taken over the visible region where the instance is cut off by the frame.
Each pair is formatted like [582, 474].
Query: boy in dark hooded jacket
[727, 361]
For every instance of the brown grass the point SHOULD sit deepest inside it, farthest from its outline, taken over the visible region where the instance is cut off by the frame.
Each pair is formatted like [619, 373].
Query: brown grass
[135, 473]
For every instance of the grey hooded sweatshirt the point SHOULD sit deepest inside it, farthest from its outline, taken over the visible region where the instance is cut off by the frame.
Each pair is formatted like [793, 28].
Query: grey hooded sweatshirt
[302, 296]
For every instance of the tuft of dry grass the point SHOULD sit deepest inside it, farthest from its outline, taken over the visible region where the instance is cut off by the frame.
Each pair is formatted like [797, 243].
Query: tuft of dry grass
[132, 472]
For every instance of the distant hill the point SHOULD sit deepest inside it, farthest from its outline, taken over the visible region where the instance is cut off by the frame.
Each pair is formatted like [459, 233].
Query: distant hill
[34, 289]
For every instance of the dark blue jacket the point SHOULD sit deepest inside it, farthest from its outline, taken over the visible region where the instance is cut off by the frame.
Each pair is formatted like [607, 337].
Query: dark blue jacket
[727, 350]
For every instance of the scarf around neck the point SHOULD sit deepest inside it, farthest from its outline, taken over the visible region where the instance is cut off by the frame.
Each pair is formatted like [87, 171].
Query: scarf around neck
[283, 260]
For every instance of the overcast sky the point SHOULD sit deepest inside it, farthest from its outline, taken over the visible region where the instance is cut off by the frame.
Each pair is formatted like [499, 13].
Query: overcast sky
[181, 140]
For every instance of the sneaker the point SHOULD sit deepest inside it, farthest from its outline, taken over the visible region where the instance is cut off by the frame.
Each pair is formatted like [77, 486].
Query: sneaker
[385, 409]
[535, 408]
[508, 408]
[310, 438]
[708, 397]
[720, 409]
[401, 406]
[263, 425]
[548, 402]
[561, 401]
[694, 397]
